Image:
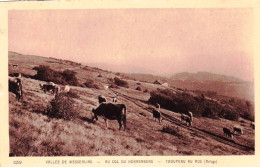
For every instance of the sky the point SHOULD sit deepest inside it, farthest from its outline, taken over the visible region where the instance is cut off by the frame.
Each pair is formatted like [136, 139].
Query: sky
[157, 41]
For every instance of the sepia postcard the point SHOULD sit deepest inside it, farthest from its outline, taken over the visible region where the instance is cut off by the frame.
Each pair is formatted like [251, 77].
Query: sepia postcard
[129, 83]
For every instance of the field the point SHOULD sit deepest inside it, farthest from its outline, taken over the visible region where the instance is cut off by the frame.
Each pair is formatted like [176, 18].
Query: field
[34, 133]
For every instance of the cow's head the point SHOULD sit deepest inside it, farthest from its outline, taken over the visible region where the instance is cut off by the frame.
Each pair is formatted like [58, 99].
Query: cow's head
[95, 115]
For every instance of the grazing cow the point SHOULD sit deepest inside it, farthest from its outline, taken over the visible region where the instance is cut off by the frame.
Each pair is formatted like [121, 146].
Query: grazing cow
[237, 130]
[16, 87]
[252, 125]
[114, 100]
[190, 114]
[101, 99]
[17, 75]
[157, 105]
[187, 119]
[157, 115]
[15, 66]
[112, 112]
[62, 89]
[48, 87]
[227, 132]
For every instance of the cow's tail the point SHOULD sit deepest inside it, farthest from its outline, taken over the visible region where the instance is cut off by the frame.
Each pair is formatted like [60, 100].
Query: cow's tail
[124, 115]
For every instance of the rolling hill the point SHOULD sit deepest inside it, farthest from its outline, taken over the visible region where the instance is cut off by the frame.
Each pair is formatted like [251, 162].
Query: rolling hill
[221, 84]
[33, 132]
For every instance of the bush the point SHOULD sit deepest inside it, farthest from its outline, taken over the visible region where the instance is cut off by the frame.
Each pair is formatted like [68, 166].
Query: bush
[45, 73]
[62, 106]
[173, 130]
[208, 112]
[138, 88]
[184, 102]
[90, 84]
[70, 77]
[120, 82]
[229, 114]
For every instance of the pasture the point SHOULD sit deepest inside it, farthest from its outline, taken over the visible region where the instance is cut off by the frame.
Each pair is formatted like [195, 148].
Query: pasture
[34, 133]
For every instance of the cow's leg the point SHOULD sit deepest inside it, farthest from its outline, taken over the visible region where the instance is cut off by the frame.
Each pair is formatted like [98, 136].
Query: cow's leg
[106, 122]
[120, 124]
[124, 121]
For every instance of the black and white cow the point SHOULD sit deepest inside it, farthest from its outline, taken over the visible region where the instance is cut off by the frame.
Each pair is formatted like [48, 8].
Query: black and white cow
[111, 111]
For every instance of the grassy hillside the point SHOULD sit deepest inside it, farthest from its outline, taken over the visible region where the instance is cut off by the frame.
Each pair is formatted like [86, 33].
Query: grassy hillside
[34, 133]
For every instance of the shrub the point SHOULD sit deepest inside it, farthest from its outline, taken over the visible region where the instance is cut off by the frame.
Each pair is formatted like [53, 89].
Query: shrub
[70, 77]
[173, 130]
[62, 106]
[183, 102]
[45, 73]
[90, 84]
[229, 114]
[208, 112]
[138, 88]
[120, 82]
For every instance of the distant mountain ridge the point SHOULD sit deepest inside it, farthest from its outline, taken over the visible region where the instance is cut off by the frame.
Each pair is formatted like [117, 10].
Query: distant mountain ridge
[204, 76]
[221, 84]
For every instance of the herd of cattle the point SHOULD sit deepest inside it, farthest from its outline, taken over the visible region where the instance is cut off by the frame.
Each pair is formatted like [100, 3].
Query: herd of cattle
[108, 110]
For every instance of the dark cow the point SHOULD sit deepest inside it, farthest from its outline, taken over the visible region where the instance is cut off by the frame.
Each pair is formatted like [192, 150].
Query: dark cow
[187, 119]
[237, 130]
[101, 99]
[114, 100]
[16, 87]
[17, 75]
[112, 112]
[190, 114]
[48, 87]
[157, 115]
[227, 132]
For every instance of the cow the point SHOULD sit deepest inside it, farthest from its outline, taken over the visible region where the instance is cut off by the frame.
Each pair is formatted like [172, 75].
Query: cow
[17, 75]
[114, 99]
[16, 87]
[15, 66]
[101, 99]
[237, 130]
[112, 112]
[158, 105]
[252, 125]
[48, 87]
[190, 114]
[227, 132]
[187, 119]
[62, 89]
[157, 115]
